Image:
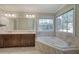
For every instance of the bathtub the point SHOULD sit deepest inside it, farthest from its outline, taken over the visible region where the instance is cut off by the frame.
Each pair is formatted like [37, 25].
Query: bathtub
[56, 43]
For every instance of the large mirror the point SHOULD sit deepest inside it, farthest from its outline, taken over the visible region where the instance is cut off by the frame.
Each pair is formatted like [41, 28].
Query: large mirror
[17, 23]
[24, 24]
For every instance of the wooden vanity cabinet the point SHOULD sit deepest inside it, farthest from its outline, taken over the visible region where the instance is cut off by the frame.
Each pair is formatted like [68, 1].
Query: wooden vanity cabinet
[11, 41]
[29, 42]
[1, 41]
[17, 40]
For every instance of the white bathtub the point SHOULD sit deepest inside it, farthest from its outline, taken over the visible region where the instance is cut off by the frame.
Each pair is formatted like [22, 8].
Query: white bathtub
[55, 42]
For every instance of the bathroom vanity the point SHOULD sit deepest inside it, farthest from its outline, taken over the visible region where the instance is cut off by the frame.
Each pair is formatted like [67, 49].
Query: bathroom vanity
[17, 32]
[17, 39]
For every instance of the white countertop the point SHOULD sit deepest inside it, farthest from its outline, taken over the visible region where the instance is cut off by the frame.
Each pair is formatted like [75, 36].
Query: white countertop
[18, 32]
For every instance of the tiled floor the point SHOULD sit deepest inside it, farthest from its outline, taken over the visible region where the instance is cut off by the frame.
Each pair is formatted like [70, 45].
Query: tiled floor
[19, 50]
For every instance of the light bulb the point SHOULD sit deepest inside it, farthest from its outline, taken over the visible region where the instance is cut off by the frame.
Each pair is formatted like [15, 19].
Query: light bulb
[33, 16]
[13, 15]
[27, 16]
[9, 15]
[30, 16]
[6, 14]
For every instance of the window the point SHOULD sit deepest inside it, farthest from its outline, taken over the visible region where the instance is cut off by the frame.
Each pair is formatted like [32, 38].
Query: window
[45, 25]
[64, 23]
[59, 23]
[70, 21]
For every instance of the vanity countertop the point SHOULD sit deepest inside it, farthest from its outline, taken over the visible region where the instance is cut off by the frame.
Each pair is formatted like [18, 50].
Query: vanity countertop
[17, 32]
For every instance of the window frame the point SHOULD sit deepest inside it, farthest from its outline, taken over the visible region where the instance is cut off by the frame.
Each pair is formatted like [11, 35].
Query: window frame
[52, 30]
[67, 24]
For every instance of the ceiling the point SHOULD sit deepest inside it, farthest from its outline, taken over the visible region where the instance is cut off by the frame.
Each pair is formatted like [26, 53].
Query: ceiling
[35, 8]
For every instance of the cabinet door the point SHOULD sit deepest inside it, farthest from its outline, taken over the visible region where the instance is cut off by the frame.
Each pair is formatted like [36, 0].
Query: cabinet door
[18, 40]
[1, 41]
[10, 41]
[27, 40]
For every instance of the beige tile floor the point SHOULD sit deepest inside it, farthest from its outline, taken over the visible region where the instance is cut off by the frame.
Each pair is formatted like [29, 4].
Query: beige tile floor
[19, 50]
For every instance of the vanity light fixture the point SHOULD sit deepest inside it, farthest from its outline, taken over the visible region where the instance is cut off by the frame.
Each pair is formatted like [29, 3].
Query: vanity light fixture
[30, 16]
[10, 15]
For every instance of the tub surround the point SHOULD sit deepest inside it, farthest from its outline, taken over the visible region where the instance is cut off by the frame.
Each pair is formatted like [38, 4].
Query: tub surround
[55, 45]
